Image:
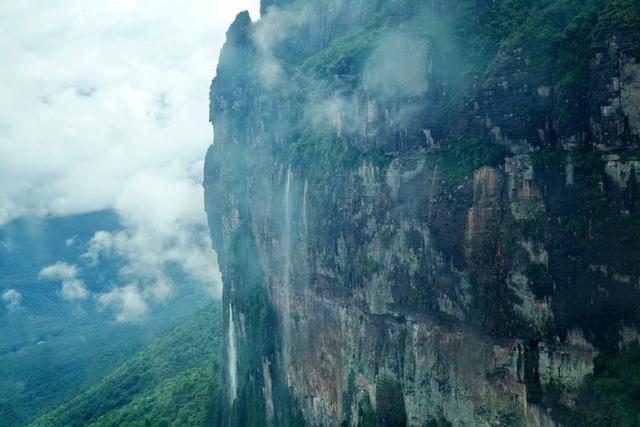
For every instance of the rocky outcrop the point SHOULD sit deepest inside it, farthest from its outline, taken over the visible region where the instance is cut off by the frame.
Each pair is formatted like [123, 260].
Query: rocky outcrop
[401, 244]
[615, 93]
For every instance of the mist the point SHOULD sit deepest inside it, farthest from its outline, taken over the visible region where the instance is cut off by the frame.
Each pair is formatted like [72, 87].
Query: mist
[118, 95]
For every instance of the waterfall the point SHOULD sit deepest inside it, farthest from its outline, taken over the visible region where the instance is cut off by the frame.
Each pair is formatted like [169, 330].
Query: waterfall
[232, 356]
[286, 277]
[305, 224]
[434, 183]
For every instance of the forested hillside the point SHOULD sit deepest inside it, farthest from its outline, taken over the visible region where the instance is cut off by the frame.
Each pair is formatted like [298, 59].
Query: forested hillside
[174, 382]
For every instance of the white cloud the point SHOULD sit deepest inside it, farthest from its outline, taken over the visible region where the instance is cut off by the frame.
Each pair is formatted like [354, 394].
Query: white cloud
[94, 91]
[127, 303]
[101, 243]
[164, 227]
[13, 300]
[7, 245]
[58, 271]
[72, 288]
[107, 104]
[159, 291]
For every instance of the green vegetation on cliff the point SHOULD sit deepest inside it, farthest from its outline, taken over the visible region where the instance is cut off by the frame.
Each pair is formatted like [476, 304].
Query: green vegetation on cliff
[348, 53]
[610, 396]
[390, 408]
[331, 119]
[557, 36]
[460, 159]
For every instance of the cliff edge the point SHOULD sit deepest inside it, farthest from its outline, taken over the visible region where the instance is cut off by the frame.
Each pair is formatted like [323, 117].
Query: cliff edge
[426, 213]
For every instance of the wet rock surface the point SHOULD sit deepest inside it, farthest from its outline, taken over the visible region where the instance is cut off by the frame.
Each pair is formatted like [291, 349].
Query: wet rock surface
[382, 278]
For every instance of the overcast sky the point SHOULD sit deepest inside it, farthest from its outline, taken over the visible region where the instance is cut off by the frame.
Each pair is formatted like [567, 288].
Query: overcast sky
[97, 92]
[104, 104]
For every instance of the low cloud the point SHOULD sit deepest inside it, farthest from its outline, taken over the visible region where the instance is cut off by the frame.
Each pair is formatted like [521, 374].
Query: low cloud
[58, 271]
[269, 33]
[119, 92]
[72, 288]
[101, 243]
[13, 300]
[159, 291]
[163, 236]
[399, 66]
[126, 302]
[164, 229]
[7, 245]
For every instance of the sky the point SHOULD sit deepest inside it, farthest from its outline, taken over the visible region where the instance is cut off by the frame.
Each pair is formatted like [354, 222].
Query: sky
[105, 106]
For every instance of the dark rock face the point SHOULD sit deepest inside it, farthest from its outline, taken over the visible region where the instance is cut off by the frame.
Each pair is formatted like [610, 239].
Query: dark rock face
[614, 101]
[515, 104]
[403, 244]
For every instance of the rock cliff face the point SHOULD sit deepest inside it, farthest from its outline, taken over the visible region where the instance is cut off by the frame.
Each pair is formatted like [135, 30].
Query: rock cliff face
[411, 232]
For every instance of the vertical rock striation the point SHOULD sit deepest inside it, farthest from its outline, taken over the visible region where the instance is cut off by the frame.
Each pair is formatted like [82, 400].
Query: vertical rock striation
[409, 235]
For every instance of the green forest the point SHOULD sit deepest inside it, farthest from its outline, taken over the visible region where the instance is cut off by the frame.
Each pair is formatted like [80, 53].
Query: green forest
[173, 382]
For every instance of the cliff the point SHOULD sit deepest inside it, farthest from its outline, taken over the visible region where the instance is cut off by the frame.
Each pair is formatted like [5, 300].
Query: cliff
[426, 213]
